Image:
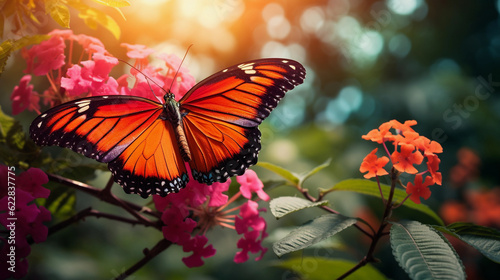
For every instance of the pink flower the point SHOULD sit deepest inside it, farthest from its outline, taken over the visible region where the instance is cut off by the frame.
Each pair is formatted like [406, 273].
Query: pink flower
[198, 208]
[23, 97]
[184, 80]
[46, 56]
[250, 218]
[29, 217]
[197, 246]
[250, 243]
[92, 78]
[138, 52]
[90, 44]
[177, 228]
[250, 183]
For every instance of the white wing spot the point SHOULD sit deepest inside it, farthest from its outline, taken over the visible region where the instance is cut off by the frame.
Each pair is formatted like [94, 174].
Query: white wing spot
[84, 102]
[250, 72]
[292, 66]
[247, 66]
[43, 116]
[105, 96]
[284, 61]
[39, 124]
[224, 71]
[83, 109]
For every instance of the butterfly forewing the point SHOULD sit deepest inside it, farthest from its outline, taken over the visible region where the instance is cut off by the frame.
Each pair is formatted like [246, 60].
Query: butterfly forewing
[222, 112]
[123, 131]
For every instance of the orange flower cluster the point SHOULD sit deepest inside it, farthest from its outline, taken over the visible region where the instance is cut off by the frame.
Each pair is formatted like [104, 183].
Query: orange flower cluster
[410, 149]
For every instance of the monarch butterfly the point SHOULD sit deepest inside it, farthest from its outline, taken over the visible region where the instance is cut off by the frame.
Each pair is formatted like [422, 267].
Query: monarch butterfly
[213, 127]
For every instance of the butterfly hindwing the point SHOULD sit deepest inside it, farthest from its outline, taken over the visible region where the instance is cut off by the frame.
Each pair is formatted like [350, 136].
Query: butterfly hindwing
[222, 112]
[123, 131]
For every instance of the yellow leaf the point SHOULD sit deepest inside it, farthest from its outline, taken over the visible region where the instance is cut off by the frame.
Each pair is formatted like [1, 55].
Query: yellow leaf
[6, 49]
[113, 3]
[58, 11]
[92, 17]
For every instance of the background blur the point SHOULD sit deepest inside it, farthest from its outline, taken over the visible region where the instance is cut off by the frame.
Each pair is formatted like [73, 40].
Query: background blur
[367, 62]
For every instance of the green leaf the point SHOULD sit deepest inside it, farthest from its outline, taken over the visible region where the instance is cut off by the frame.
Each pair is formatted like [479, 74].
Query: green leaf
[320, 268]
[61, 202]
[371, 188]
[58, 11]
[284, 205]
[287, 175]
[315, 170]
[424, 253]
[11, 132]
[485, 240]
[312, 232]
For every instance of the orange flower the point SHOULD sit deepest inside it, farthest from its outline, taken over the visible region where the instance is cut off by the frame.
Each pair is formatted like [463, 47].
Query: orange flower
[409, 137]
[419, 189]
[403, 161]
[373, 165]
[379, 135]
[433, 165]
[403, 127]
[427, 146]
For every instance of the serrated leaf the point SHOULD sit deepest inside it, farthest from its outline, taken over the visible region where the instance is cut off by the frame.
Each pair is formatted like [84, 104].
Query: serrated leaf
[485, 240]
[284, 205]
[315, 170]
[6, 48]
[58, 11]
[287, 175]
[424, 253]
[371, 188]
[312, 232]
[327, 269]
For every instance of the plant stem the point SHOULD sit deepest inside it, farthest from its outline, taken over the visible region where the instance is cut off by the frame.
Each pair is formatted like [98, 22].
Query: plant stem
[306, 194]
[380, 233]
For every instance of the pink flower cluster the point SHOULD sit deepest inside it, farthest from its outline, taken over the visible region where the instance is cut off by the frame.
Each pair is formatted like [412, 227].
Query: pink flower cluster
[70, 77]
[29, 218]
[190, 213]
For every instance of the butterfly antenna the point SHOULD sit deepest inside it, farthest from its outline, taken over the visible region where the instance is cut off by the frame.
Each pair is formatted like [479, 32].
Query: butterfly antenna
[148, 79]
[178, 69]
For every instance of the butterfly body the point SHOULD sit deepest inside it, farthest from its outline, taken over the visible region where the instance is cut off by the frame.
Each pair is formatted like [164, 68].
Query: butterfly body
[174, 116]
[213, 128]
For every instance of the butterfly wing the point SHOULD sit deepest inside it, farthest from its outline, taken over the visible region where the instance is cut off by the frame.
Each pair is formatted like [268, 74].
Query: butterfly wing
[222, 112]
[129, 133]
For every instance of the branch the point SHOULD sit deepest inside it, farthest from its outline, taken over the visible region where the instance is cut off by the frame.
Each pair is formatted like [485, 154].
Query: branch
[161, 246]
[97, 193]
[88, 212]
